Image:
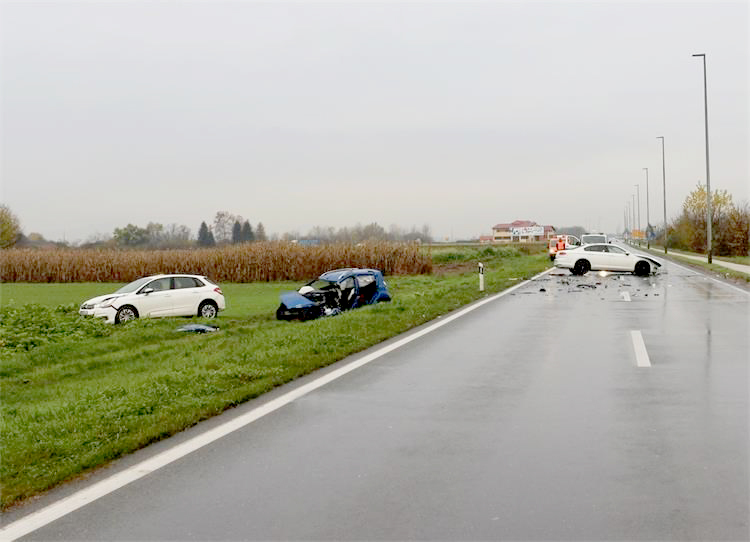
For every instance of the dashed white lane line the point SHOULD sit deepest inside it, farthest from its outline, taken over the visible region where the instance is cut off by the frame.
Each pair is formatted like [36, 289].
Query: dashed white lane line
[625, 296]
[641, 354]
[65, 506]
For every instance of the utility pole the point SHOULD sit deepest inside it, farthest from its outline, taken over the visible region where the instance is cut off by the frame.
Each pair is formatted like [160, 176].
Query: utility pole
[632, 208]
[708, 174]
[638, 188]
[648, 240]
[664, 184]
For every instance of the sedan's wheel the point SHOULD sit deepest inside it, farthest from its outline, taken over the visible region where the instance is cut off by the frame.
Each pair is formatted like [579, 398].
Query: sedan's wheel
[208, 309]
[125, 314]
[581, 267]
[642, 269]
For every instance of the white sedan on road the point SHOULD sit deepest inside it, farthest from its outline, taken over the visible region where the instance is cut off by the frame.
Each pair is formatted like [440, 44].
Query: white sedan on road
[156, 296]
[604, 257]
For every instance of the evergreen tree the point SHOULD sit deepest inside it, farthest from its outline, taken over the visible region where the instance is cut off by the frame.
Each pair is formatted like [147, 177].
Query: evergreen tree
[237, 233]
[260, 232]
[247, 233]
[205, 237]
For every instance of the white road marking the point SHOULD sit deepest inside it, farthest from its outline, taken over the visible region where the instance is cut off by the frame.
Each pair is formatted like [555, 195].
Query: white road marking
[641, 355]
[81, 498]
[625, 296]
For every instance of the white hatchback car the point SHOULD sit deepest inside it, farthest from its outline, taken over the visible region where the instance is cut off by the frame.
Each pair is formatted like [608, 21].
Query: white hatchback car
[604, 257]
[156, 296]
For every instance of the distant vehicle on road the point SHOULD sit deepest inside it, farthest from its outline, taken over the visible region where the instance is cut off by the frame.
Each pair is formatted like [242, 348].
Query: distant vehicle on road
[157, 296]
[564, 241]
[590, 238]
[333, 292]
[604, 257]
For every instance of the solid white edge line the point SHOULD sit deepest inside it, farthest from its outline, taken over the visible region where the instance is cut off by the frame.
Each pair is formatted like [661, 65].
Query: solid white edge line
[641, 354]
[81, 498]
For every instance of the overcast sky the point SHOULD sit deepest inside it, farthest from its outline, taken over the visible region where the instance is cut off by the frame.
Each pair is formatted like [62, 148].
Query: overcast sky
[459, 115]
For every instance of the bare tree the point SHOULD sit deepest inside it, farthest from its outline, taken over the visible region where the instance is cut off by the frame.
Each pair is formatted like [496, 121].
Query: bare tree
[223, 224]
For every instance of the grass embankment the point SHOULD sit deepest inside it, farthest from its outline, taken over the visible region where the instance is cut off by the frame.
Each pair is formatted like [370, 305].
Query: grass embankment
[715, 266]
[79, 393]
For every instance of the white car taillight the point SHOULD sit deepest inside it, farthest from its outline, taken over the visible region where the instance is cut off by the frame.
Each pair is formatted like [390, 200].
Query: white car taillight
[218, 291]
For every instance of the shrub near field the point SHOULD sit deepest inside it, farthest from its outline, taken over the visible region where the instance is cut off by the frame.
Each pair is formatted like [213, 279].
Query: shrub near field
[255, 262]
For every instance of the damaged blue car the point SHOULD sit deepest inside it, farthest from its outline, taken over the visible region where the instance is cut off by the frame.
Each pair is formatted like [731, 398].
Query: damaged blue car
[333, 292]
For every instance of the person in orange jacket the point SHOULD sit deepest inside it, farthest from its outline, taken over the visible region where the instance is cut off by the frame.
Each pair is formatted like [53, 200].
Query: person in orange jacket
[560, 243]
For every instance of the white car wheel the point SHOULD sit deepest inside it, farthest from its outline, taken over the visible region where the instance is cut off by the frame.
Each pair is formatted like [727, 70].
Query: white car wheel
[208, 309]
[125, 314]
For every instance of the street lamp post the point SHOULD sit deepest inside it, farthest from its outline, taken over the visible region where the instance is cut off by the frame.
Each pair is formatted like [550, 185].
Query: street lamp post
[648, 241]
[708, 174]
[625, 223]
[638, 187]
[664, 183]
[632, 209]
[627, 226]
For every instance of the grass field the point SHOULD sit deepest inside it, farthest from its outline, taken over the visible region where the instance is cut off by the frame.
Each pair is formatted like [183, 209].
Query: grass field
[78, 393]
[242, 299]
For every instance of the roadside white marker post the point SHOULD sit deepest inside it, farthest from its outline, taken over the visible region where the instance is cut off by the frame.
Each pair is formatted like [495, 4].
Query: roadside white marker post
[481, 277]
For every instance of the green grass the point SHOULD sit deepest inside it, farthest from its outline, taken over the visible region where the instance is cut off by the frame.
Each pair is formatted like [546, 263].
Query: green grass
[715, 266]
[742, 260]
[487, 254]
[51, 294]
[242, 299]
[85, 396]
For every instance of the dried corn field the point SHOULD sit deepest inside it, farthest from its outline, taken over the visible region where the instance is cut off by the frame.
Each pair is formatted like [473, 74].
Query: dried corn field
[270, 261]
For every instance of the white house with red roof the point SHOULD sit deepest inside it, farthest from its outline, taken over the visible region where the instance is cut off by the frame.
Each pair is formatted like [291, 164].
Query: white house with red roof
[524, 231]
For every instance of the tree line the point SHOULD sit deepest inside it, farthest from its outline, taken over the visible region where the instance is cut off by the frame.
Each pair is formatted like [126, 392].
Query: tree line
[229, 229]
[730, 224]
[360, 233]
[226, 228]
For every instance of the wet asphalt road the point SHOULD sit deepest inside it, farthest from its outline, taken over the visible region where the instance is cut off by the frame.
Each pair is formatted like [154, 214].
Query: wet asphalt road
[527, 419]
